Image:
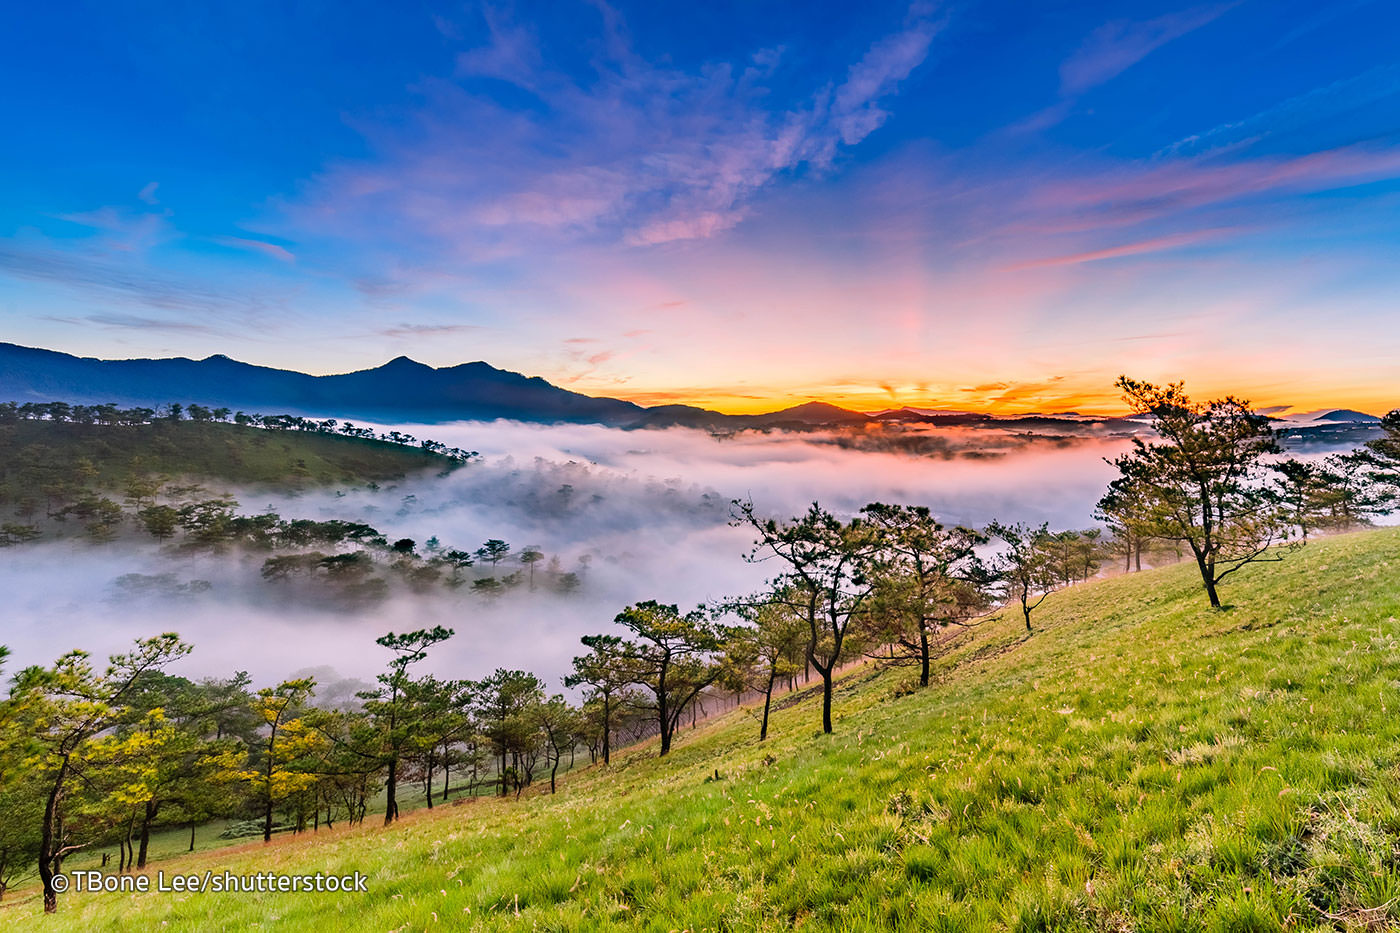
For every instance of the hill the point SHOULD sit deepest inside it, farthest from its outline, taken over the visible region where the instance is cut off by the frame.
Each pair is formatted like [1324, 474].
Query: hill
[810, 413]
[1139, 763]
[33, 452]
[1347, 415]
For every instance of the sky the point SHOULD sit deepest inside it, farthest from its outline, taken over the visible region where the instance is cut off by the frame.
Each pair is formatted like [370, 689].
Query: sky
[992, 206]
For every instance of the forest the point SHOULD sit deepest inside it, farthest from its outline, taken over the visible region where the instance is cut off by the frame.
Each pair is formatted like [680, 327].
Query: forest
[102, 473]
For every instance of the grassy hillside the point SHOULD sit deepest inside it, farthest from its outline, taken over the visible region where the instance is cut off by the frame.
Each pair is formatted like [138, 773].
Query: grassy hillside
[30, 451]
[1140, 763]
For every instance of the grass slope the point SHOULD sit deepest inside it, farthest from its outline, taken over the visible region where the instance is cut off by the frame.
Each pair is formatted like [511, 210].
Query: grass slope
[1140, 763]
[212, 450]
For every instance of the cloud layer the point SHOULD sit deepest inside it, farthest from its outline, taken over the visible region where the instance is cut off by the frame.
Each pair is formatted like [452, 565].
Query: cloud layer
[644, 517]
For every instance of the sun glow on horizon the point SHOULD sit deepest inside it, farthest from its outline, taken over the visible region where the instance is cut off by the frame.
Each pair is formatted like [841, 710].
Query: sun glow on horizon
[1106, 404]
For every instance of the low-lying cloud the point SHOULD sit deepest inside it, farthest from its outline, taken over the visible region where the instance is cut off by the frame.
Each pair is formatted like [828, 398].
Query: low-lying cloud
[639, 515]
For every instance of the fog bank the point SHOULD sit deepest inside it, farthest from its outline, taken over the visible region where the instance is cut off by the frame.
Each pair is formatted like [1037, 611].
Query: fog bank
[638, 515]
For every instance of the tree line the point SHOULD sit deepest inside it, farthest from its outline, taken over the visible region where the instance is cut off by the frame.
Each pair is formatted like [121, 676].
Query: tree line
[346, 562]
[79, 475]
[1214, 482]
[113, 415]
[894, 583]
[91, 758]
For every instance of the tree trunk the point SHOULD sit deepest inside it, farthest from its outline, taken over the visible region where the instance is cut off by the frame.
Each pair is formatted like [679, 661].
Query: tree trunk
[127, 848]
[391, 790]
[267, 813]
[1208, 578]
[48, 844]
[923, 657]
[826, 698]
[607, 727]
[767, 701]
[146, 820]
[663, 714]
[191, 848]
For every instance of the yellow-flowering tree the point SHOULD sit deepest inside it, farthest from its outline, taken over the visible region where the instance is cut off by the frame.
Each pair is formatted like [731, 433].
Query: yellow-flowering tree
[289, 751]
[155, 763]
[57, 714]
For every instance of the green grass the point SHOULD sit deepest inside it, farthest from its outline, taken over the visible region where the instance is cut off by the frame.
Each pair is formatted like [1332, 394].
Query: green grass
[1140, 763]
[206, 450]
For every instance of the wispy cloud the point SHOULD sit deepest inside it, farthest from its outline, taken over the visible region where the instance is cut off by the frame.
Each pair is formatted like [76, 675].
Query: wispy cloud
[1109, 51]
[1152, 190]
[1116, 46]
[272, 250]
[857, 104]
[1319, 111]
[1136, 248]
[1053, 393]
[584, 356]
[636, 152]
[125, 231]
[103, 278]
[138, 322]
[425, 330]
[513, 54]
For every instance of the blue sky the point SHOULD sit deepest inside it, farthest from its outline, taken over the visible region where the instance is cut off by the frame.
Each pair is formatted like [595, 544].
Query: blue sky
[985, 205]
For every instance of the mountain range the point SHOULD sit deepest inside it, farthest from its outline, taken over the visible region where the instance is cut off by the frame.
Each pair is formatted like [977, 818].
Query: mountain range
[404, 390]
[401, 390]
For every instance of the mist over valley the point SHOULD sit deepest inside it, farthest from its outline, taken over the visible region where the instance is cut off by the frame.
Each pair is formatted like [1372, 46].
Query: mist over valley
[636, 515]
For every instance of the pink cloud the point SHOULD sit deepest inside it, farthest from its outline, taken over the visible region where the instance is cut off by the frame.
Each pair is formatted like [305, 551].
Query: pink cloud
[1156, 190]
[642, 153]
[512, 54]
[855, 107]
[280, 253]
[1153, 245]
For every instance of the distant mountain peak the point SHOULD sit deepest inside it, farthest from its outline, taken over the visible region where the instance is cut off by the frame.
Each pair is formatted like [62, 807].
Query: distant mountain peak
[814, 412]
[815, 406]
[1346, 415]
[404, 362]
